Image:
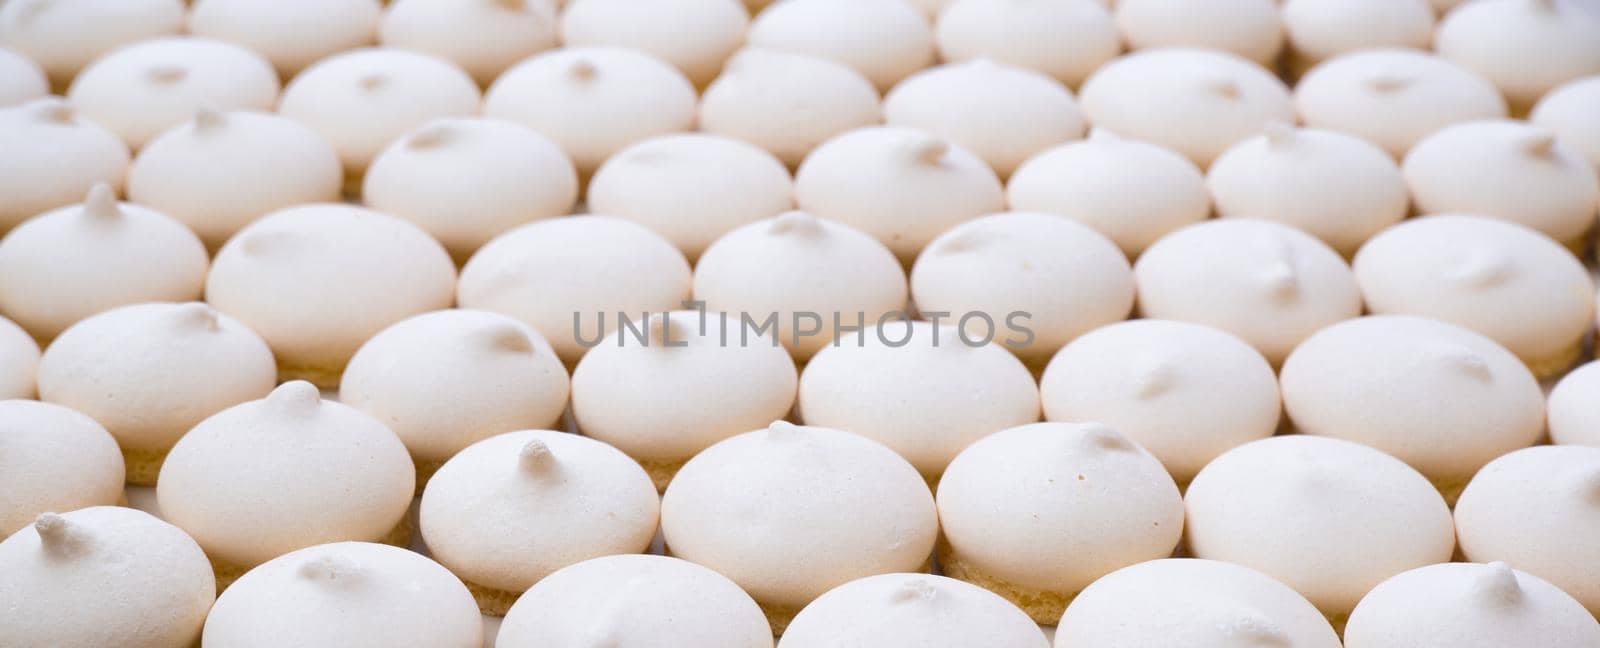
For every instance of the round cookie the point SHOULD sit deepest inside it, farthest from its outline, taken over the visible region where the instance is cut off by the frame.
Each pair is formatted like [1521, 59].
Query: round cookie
[1268, 283]
[691, 188]
[64, 37]
[791, 512]
[316, 281]
[911, 611]
[73, 262]
[1568, 112]
[53, 157]
[1526, 47]
[1036, 513]
[682, 389]
[484, 38]
[151, 372]
[695, 36]
[787, 103]
[292, 34]
[221, 171]
[53, 459]
[103, 576]
[640, 600]
[1510, 170]
[19, 362]
[1322, 29]
[466, 181]
[772, 274]
[1192, 602]
[509, 510]
[566, 277]
[1393, 97]
[1132, 192]
[1249, 28]
[1327, 517]
[21, 80]
[884, 40]
[1457, 605]
[927, 396]
[1336, 187]
[447, 379]
[1572, 414]
[1506, 281]
[1439, 397]
[1028, 34]
[264, 478]
[346, 594]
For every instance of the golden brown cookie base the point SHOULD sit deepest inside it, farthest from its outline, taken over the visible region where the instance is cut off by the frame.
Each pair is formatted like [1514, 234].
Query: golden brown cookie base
[1045, 607]
[324, 376]
[425, 470]
[662, 472]
[1450, 488]
[779, 617]
[1555, 365]
[491, 602]
[143, 466]
[227, 572]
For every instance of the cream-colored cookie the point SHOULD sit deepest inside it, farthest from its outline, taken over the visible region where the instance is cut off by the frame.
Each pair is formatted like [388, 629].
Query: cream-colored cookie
[791, 512]
[103, 576]
[1393, 97]
[1028, 33]
[509, 510]
[1322, 29]
[1456, 605]
[316, 281]
[76, 261]
[346, 594]
[53, 459]
[787, 103]
[911, 611]
[53, 156]
[1526, 47]
[884, 40]
[678, 387]
[1438, 396]
[292, 34]
[151, 372]
[19, 362]
[1132, 192]
[1327, 517]
[1036, 513]
[1568, 111]
[1573, 412]
[1250, 28]
[64, 36]
[572, 279]
[695, 36]
[485, 38]
[21, 80]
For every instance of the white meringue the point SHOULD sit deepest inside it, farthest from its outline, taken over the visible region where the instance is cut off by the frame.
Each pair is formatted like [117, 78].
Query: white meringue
[485, 38]
[884, 40]
[1526, 47]
[1250, 28]
[1029, 34]
[1573, 412]
[1469, 605]
[53, 459]
[787, 103]
[53, 156]
[65, 36]
[1568, 111]
[21, 80]
[911, 611]
[292, 34]
[1322, 29]
[19, 362]
[695, 36]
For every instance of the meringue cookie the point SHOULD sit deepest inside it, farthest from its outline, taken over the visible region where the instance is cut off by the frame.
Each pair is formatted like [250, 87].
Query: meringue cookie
[884, 40]
[1440, 397]
[1182, 391]
[76, 261]
[1393, 97]
[1526, 47]
[1036, 513]
[447, 379]
[221, 171]
[1329, 518]
[692, 188]
[787, 103]
[19, 362]
[1043, 278]
[1469, 605]
[21, 80]
[1508, 282]
[103, 576]
[594, 101]
[926, 400]
[1568, 111]
[1250, 28]
[362, 100]
[695, 36]
[264, 478]
[635, 600]
[1002, 113]
[771, 274]
[509, 510]
[484, 38]
[150, 372]
[791, 512]
[52, 459]
[53, 156]
[64, 37]
[1336, 187]
[563, 276]
[911, 611]
[1506, 169]
[1535, 508]
[901, 185]
[1194, 101]
[681, 390]
[1029, 34]
[354, 594]
[316, 281]
[466, 181]
[1268, 283]
[1322, 29]
[292, 34]
[1573, 412]
[1130, 191]
[1191, 602]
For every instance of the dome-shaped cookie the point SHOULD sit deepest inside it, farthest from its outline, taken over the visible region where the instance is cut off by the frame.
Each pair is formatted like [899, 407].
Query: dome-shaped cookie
[1568, 111]
[884, 40]
[53, 157]
[21, 80]
[911, 611]
[1393, 97]
[1526, 47]
[485, 38]
[1573, 412]
[19, 362]
[695, 36]
[1249, 28]
[53, 459]
[292, 34]
[1456, 605]
[64, 37]
[1028, 34]
[787, 103]
[1322, 29]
